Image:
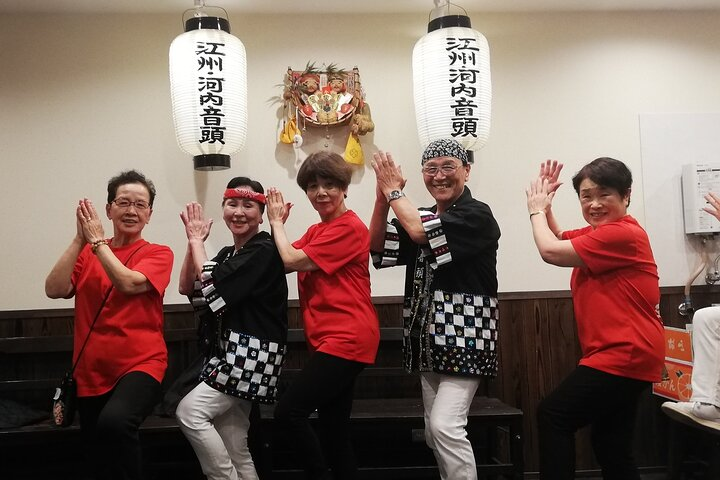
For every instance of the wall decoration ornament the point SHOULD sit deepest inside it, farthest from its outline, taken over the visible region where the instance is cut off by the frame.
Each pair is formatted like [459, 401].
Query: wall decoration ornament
[451, 81]
[326, 97]
[208, 82]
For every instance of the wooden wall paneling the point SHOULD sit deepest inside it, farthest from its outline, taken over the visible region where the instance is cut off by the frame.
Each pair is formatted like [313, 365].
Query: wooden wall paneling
[538, 349]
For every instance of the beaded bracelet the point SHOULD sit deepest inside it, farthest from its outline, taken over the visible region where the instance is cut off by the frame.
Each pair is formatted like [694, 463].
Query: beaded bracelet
[96, 244]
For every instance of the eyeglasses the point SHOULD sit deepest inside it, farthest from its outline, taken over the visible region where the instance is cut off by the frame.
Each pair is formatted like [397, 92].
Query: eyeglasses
[125, 203]
[447, 169]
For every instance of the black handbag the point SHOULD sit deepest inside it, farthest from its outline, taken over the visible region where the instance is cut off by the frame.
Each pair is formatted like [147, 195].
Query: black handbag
[63, 409]
[65, 398]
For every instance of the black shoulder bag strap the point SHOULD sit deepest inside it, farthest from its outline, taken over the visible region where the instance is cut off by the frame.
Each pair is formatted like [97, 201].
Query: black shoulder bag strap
[97, 315]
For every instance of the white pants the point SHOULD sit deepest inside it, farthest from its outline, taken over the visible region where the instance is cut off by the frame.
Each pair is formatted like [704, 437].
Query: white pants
[447, 400]
[706, 356]
[216, 424]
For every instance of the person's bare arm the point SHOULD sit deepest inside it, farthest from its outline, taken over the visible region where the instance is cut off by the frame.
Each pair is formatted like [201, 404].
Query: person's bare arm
[294, 259]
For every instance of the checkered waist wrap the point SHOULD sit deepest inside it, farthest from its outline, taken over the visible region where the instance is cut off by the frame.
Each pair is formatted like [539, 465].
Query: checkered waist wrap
[250, 367]
[459, 335]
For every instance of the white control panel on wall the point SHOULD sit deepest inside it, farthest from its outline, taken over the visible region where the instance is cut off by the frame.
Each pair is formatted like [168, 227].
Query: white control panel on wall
[697, 180]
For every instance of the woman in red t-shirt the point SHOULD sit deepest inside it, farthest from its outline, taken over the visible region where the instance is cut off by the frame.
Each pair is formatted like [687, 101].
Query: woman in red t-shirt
[119, 349]
[616, 298]
[341, 326]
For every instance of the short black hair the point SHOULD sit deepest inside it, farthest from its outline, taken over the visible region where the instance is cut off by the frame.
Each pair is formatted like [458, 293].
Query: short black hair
[129, 176]
[324, 164]
[605, 172]
[247, 182]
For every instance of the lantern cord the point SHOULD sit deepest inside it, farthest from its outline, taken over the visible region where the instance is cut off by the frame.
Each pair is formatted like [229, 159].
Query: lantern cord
[202, 10]
[441, 5]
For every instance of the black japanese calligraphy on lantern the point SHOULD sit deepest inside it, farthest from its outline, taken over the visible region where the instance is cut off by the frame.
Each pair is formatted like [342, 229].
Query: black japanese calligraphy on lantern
[210, 91]
[463, 84]
[212, 116]
[464, 106]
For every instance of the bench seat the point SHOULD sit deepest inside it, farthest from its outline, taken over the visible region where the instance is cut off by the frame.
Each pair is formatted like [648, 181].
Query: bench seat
[387, 418]
[400, 420]
[494, 428]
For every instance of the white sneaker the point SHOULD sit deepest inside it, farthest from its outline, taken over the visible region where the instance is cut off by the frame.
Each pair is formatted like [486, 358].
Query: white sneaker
[706, 411]
[685, 412]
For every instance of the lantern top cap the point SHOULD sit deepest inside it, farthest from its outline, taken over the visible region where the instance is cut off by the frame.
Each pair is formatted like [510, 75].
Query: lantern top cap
[205, 17]
[449, 21]
[207, 23]
[440, 16]
[445, 147]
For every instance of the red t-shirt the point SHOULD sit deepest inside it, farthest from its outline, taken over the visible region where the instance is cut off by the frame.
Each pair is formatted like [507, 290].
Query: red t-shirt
[616, 300]
[335, 301]
[128, 334]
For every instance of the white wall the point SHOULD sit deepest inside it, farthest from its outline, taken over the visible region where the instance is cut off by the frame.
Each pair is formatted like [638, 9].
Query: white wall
[83, 97]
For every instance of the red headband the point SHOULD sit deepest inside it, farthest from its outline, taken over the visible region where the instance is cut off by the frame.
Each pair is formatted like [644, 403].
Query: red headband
[244, 193]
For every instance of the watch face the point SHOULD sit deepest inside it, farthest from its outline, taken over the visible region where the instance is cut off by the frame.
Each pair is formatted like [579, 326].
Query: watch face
[395, 194]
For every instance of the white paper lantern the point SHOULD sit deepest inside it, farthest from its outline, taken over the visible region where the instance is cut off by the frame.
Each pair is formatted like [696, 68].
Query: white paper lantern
[451, 83]
[208, 82]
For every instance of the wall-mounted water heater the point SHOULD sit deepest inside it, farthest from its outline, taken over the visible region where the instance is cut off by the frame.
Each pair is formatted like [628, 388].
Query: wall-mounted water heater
[697, 180]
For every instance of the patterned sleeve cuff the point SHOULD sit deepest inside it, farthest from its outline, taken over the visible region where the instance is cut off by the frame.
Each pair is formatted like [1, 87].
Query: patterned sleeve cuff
[436, 237]
[391, 249]
[212, 297]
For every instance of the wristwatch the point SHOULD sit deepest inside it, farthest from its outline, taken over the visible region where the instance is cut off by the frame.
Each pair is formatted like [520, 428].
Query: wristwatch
[395, 194]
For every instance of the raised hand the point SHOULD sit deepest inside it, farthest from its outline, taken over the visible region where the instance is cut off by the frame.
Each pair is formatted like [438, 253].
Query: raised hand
[276, 208]
[550, 170]
[539, 196]
[714, 202]
[89, 223]
[387, 173]
[196, 227]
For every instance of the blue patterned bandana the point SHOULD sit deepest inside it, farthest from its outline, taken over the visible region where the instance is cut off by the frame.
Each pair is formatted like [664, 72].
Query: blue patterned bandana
[445, 147]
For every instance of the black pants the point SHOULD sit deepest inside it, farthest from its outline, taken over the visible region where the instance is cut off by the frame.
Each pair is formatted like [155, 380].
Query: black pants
[326, 385]
[109, 426]
[590, 397]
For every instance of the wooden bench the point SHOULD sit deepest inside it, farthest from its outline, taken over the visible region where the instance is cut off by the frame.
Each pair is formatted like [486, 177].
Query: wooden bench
[381, 425]
[387, 417]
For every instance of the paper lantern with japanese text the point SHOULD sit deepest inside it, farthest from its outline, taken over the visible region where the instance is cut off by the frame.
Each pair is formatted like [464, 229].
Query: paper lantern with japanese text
[208, 81]
[451, 83]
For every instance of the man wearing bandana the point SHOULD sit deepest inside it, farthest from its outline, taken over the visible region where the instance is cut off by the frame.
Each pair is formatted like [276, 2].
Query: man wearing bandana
[244, 290]
[450, 312]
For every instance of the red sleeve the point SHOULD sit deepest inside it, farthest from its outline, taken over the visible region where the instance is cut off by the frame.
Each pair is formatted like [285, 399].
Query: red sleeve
[156, 264]
[79, 265]
[331, 246]
[568, 234]
[607, 247]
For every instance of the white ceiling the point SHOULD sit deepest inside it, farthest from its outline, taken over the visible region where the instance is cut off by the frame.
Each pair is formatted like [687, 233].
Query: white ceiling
[344, 6]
